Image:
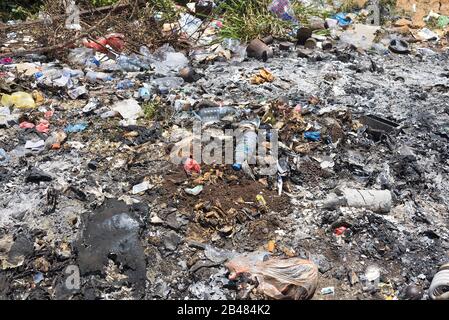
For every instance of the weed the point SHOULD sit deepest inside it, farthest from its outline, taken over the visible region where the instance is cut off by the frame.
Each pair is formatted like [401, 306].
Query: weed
[248, 19]
[151, 108]
[304, 12]
[100, 3]
[165, 7]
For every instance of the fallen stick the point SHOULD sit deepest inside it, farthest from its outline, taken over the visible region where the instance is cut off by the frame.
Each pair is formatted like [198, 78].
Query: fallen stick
[62, 45]
[6, 27]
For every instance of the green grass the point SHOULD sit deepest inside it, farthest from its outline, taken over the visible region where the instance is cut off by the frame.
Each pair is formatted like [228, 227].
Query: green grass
[248, 19]
[166, 7]
[304, 12]
[18, 9]
[101, 3]
[150, 109]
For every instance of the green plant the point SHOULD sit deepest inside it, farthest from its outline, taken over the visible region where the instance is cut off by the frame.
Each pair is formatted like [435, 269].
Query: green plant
[101, 3]
[18, 9]
[151, 108]
[165, 7]
[348, 6]
[248, 19]
[304, 12]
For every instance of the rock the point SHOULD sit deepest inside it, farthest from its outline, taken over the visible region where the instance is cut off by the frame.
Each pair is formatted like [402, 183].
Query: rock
[322, 262]
[402, 22]
[413, 292]
[285, 46]
[35, 175]
[171, 240]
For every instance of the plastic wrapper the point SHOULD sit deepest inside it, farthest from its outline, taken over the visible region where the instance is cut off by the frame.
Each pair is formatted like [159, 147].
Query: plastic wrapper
[292, 278]
[192, 166]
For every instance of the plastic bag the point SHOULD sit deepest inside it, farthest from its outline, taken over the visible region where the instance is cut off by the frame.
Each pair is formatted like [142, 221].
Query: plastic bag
[84, 57]
[18, 99]
[292, 278]
[283, 10]
[190, 24]
[192, 166]
[73, 20]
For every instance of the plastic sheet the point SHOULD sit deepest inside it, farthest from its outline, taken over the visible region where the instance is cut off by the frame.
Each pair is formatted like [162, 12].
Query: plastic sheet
[292, 278]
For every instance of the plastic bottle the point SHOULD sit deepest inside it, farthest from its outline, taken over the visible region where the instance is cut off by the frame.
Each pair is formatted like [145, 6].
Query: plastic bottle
[215, 113]
[95, 76]
[73, 73]
[131, 64]
[73, 20]
[168, 83]
[84, 57]
[375, 200]
[125, 84]
[49, 73]
[245, 149]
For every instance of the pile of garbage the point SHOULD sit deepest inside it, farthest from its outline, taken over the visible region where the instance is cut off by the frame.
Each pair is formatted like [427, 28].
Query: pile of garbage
[334, 186]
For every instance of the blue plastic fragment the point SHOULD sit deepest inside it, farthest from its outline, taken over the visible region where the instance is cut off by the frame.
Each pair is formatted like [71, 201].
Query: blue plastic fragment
[144, 93]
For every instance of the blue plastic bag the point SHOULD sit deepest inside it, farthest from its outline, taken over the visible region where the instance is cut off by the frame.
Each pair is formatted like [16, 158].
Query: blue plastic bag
[312, 135]
[342, 19]
[72, 128]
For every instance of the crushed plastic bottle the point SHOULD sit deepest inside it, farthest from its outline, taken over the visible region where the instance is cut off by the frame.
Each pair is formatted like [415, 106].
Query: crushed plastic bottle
[231, 44]
[131, 64]
[375, 200]
[165, 59]
[175, 61]
[4, 158]
[95, 76]
[166, 84]
[125, 84]
[217, 255]
[83, 57]
[91, 105]
[18, 99]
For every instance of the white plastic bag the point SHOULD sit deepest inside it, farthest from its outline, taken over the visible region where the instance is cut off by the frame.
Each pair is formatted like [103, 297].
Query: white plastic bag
[73, 20]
